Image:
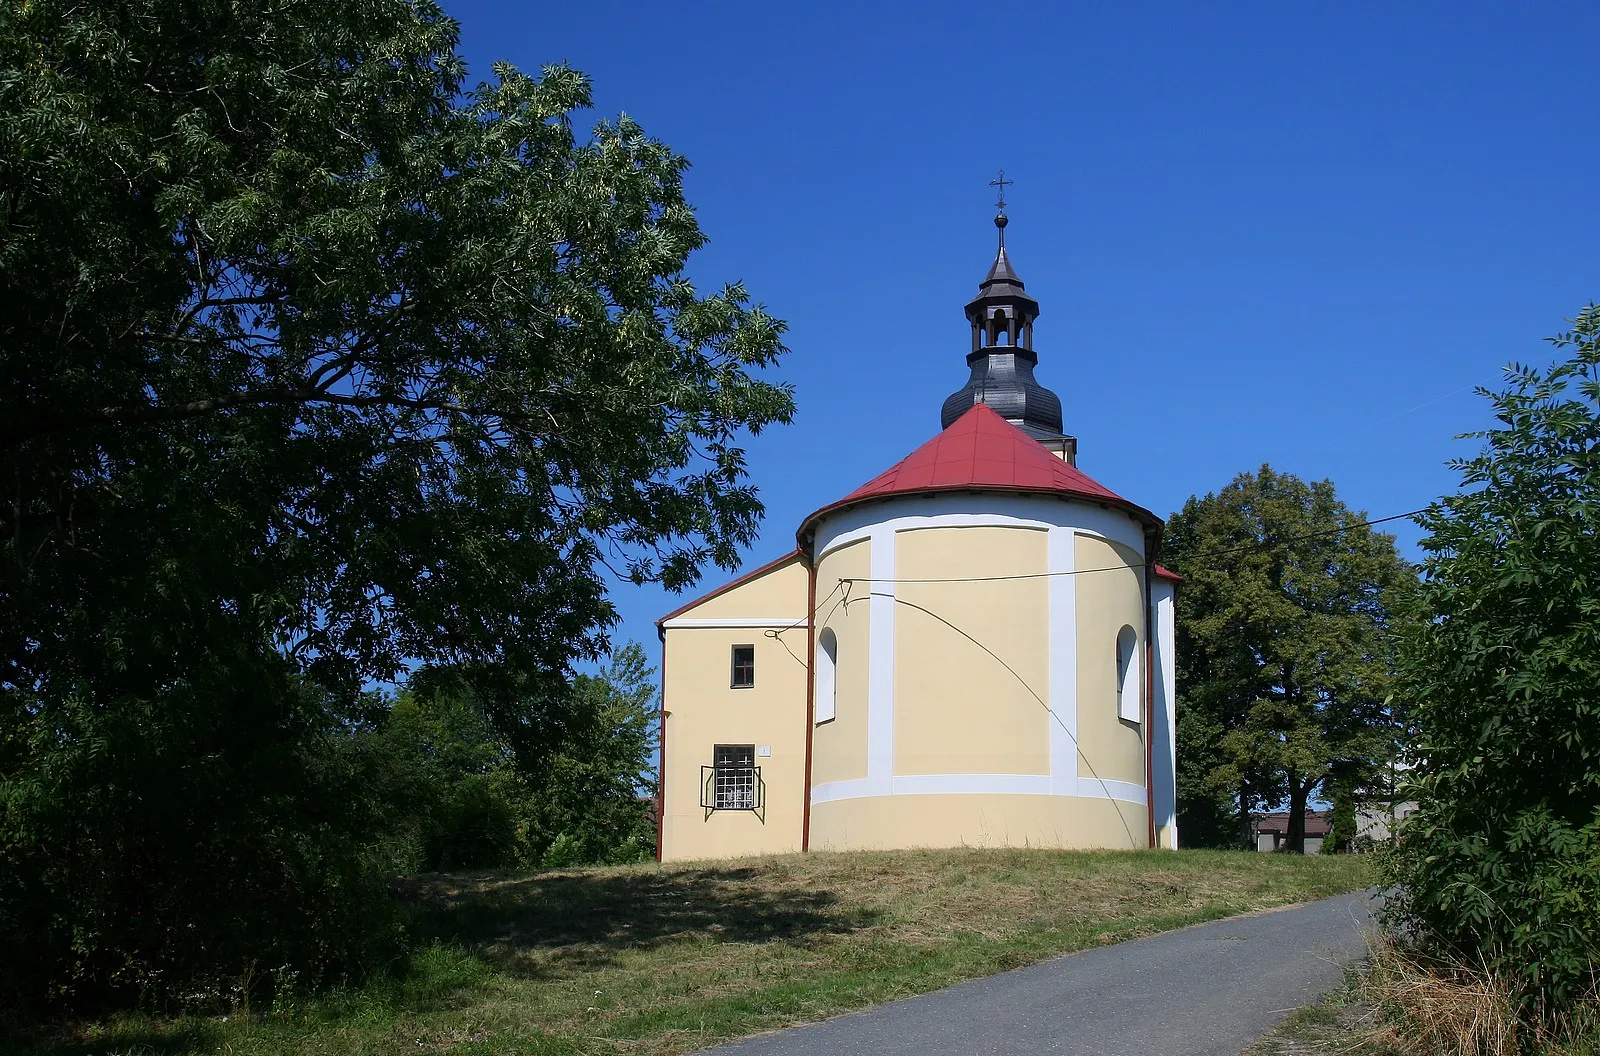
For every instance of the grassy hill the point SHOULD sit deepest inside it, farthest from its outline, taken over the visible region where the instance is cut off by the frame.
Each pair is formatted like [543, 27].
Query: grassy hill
[662, 960]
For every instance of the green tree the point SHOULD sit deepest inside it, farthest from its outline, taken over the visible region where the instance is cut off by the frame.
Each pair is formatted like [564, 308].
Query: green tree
[594, 800]
[1501, 863]
[452, 784]
[460, 798]
[1342, 815]
[1285, 651]
[315, 367]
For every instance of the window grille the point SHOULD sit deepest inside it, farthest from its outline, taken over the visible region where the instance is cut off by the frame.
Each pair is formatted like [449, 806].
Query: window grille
[733, 781]
[744, 666]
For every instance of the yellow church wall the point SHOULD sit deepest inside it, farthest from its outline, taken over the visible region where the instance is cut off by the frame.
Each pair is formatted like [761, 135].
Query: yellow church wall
[971, 659]
[1110, 748]
[780, 592]
[892, 822]
[839, 747]
[703, 710]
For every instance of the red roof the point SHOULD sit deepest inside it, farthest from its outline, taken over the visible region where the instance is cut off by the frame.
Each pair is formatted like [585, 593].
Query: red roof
[980, 451]
[1318, 822]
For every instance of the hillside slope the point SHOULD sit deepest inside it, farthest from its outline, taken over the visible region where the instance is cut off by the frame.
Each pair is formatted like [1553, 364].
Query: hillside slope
[665, 960]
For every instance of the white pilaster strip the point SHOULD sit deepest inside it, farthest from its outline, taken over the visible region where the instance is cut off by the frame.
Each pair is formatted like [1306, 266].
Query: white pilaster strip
[1166, 706]
[880, 669]
[1061, 557]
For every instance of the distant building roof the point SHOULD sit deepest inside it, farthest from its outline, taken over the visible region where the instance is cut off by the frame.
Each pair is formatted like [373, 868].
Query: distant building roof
[980, 451]
[1318, 822]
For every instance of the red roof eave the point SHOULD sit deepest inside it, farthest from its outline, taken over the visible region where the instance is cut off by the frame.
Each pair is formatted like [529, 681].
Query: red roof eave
[803, 537]
[981, 452]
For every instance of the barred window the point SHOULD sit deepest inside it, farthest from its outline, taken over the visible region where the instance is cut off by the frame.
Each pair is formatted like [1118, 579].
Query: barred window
[734, 776]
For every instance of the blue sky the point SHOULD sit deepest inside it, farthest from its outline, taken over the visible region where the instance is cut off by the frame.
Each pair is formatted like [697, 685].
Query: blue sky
[1291, 234]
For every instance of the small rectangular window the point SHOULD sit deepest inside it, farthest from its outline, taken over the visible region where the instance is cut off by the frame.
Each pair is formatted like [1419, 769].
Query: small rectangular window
[744, 666]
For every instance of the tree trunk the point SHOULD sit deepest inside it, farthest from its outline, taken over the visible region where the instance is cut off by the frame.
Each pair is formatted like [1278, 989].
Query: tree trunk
[1295, 839]
[1246, 835]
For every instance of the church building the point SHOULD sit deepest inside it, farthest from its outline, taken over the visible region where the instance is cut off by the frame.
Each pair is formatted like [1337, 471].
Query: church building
[974, 648]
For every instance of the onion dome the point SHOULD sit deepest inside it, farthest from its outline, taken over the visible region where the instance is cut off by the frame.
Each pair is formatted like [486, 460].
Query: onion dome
[1002, 357]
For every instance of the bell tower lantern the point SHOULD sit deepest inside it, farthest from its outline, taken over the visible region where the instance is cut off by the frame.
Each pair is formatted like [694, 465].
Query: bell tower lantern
[1002, 358]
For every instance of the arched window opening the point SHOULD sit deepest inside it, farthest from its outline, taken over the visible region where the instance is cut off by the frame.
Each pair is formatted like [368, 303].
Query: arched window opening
[1128, 675]
[826, 701]
[1003, 338]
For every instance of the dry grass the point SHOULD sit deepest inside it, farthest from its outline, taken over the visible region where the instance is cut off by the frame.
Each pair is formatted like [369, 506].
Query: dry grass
[664, 960]
[1401, 1005]
[1429, 1008]
[1446, 1010]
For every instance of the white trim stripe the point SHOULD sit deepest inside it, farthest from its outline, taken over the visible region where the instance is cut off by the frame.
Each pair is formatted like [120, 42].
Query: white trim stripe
[734, 621]
[975, 785]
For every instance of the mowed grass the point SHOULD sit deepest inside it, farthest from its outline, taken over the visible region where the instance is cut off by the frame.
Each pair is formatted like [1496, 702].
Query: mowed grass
[661, 960]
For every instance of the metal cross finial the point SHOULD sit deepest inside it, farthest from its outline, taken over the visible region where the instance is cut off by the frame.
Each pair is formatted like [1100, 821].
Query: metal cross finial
[1001, 182]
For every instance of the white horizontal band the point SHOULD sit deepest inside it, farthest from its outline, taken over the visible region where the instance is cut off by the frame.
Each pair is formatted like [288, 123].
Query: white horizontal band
[974, 785]
[736, 621]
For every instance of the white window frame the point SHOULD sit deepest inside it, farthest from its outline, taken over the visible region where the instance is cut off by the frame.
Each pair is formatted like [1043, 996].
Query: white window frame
[825, 693]
[733, 667]
[1130, 698]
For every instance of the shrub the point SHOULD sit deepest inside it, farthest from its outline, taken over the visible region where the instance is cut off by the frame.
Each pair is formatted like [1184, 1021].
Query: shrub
[197, 850]
[1500, 866]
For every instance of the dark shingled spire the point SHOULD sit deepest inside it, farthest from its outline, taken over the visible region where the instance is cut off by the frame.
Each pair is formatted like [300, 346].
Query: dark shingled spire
[1002, 357]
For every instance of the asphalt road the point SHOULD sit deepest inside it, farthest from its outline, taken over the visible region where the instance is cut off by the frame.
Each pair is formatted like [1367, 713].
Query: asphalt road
[1208, 990]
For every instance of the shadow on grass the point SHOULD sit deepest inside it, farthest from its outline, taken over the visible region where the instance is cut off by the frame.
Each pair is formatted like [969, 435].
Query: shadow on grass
[187, 1036]
[468, 927]
[557, 924]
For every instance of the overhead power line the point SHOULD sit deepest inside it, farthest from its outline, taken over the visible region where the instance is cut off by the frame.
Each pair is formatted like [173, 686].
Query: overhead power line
[1258, 546]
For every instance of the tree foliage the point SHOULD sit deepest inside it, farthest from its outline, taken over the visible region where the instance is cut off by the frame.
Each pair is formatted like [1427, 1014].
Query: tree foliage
[461, 800]
[315, 367]
[1284, 652]
[595, 800]
[1500, 865]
